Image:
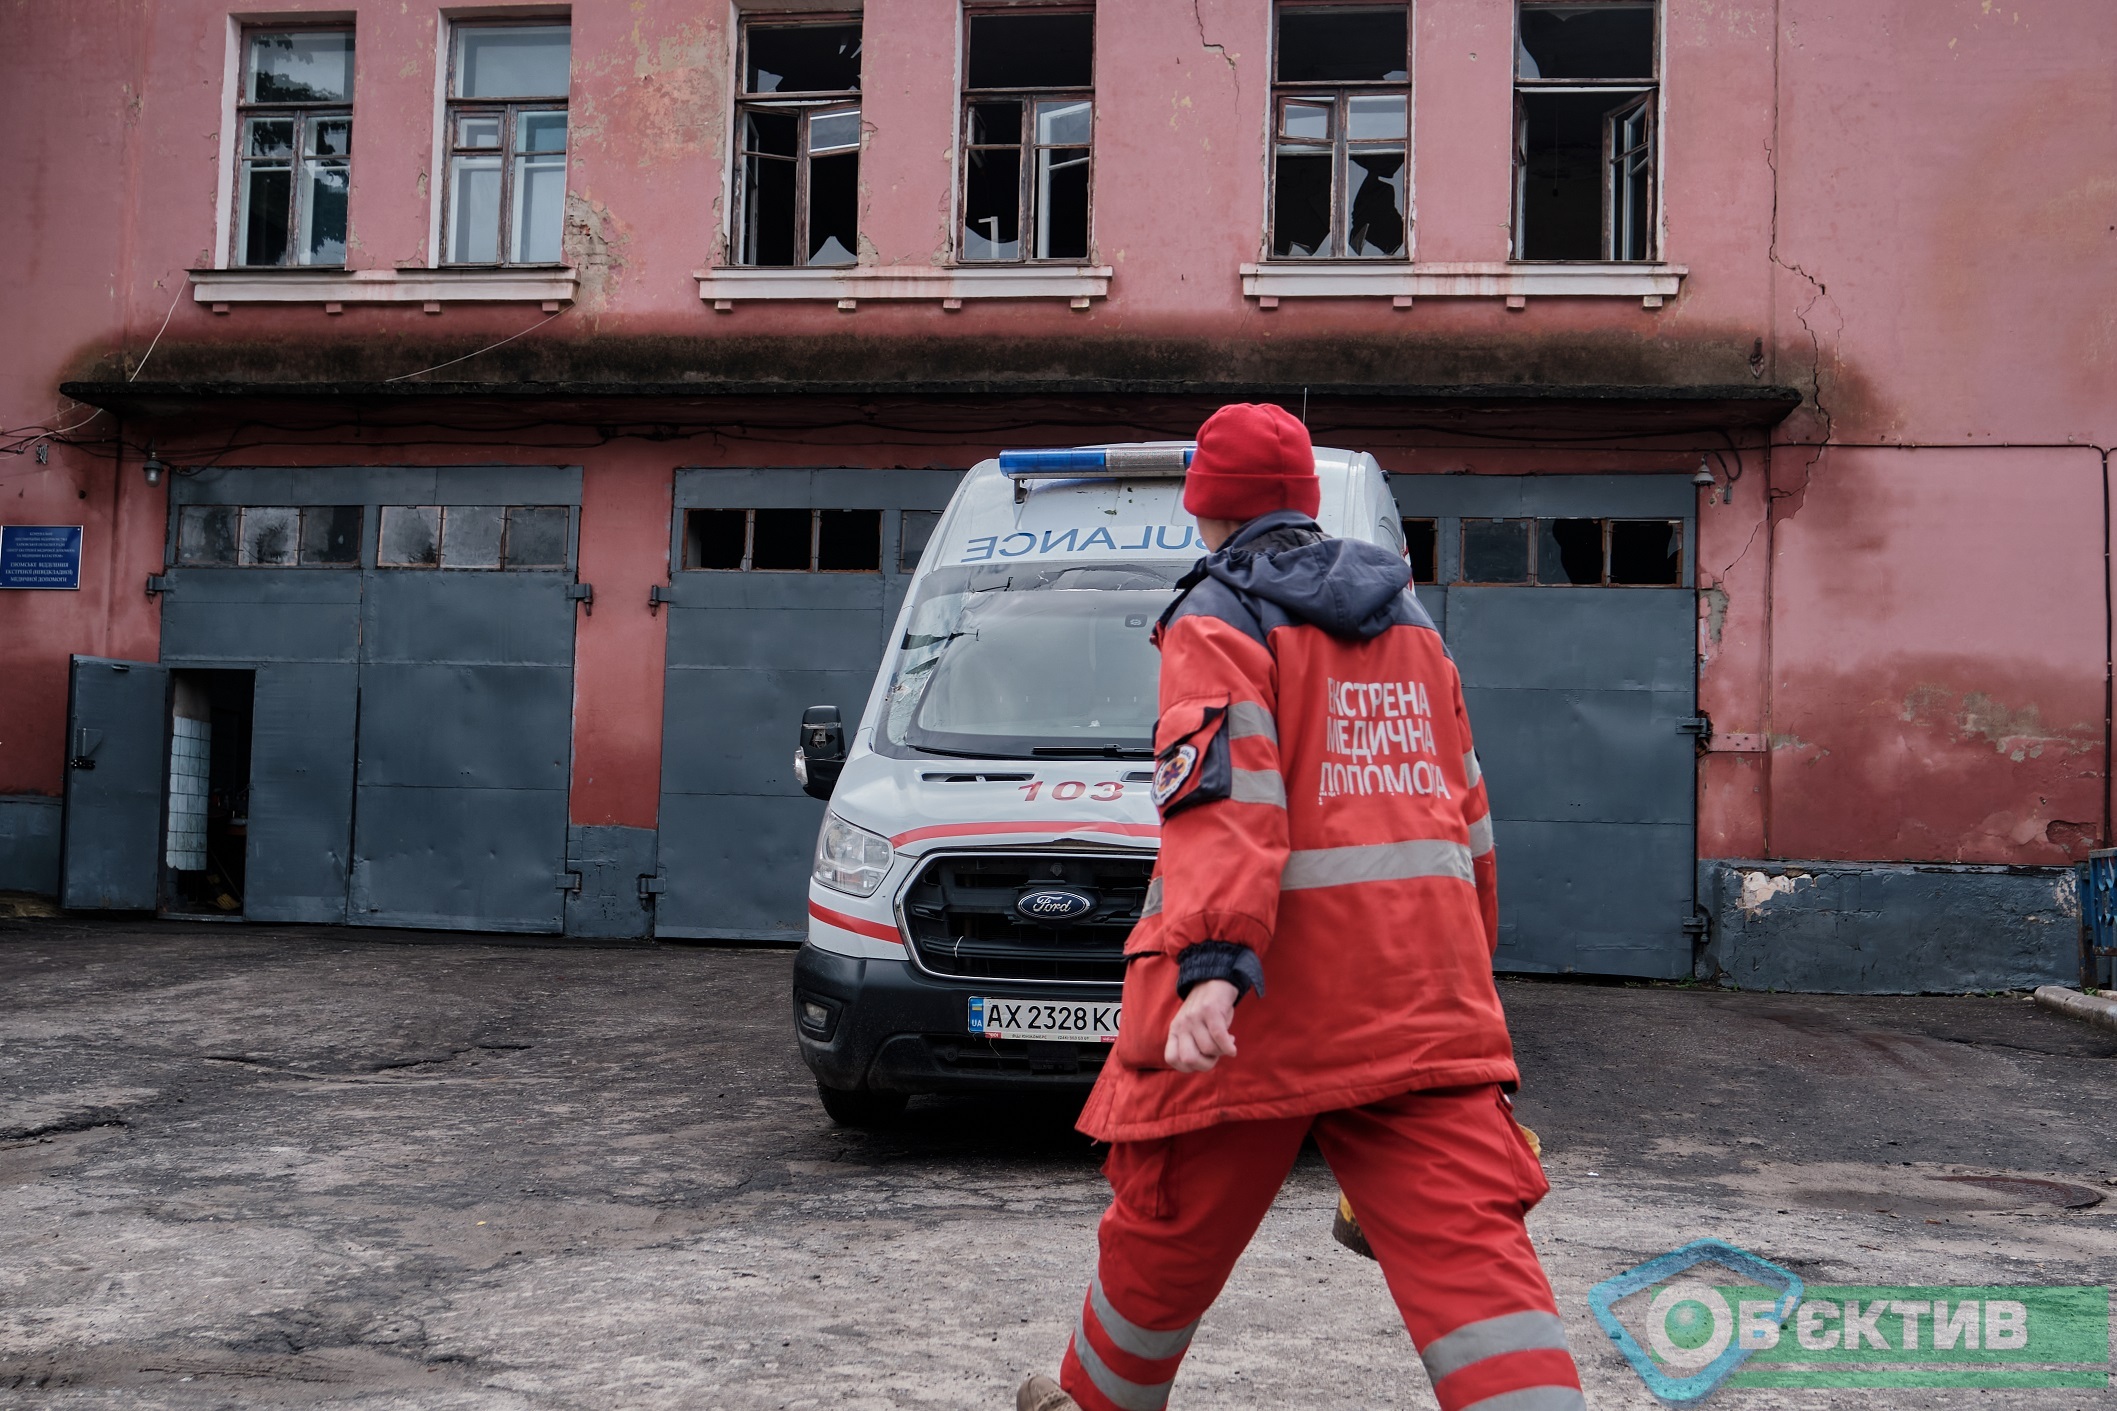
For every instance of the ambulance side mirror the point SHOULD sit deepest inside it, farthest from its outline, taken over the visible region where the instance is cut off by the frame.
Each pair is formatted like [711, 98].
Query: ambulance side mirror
[821, 754]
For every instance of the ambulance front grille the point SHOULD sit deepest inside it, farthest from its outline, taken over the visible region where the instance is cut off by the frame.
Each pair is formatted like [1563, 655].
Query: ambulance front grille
[960, 919]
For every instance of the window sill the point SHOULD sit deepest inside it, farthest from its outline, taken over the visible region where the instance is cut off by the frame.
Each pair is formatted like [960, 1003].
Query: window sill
[949, 287]
[220, 289]
[1515, 282]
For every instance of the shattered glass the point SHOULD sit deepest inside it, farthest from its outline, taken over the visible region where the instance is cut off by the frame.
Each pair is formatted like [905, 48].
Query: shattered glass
[205, 535]
[470, 536]
[806, 58]
[330, 534]
[536, 536]
[411, 536]
[1344, 46]
[268, 536]
[1586, 42]
[1031, 51]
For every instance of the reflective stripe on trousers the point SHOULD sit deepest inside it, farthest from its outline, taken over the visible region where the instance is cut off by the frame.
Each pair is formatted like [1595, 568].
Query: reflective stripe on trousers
[1149, 1345]
[1375, 862]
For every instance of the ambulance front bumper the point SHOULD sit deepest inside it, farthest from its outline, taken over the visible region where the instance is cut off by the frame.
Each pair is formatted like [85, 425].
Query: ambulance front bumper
[891, 1027]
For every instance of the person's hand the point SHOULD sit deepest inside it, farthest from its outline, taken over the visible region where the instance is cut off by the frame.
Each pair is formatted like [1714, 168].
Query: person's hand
[1198, 1035]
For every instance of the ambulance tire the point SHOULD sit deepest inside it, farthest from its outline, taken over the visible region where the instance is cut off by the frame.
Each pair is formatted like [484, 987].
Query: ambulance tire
[862, 1107]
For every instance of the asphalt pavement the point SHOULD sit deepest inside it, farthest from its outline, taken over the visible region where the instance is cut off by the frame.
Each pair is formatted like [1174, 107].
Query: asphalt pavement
[246, 1166]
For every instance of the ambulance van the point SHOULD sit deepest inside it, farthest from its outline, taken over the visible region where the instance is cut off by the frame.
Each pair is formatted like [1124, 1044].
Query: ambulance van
[991, 834]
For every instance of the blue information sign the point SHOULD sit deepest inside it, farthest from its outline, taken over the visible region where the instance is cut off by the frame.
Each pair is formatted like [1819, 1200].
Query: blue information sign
[40, 555]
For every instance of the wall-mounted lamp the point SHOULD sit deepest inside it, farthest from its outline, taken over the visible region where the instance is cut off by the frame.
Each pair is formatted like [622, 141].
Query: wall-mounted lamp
[1702, 477]
[152, 469]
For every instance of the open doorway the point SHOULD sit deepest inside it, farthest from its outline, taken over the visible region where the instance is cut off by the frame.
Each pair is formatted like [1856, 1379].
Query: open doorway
[206, 833]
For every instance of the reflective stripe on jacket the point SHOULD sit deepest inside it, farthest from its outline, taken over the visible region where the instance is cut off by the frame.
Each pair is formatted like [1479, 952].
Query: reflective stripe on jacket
[1322, 806]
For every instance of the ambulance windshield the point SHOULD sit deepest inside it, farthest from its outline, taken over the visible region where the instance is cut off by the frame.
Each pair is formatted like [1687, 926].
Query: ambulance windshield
[1016, 663]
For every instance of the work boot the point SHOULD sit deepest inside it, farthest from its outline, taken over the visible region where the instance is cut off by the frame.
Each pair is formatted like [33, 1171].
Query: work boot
[1040, 1393]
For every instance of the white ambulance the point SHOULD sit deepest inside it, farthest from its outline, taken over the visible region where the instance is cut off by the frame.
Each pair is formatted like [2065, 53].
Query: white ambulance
[990, 835]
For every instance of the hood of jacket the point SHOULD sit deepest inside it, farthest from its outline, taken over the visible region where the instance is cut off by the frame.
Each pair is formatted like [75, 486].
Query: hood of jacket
[1344, 586]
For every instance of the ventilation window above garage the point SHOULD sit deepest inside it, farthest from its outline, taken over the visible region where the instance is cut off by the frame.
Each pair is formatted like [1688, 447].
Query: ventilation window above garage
[1586, 86]
[783, 540]
[1341, 93]
[1028, 119]
[798, 134]
[269, 536]
[1422, 541]
[474, 536]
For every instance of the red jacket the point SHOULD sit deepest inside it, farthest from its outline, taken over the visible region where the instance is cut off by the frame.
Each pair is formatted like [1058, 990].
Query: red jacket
[1326, 844]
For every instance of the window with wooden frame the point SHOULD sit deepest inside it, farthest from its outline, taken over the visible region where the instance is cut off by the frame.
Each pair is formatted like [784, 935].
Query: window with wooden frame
[505, 197]
[798, 134]
[1586, 90]
[1341, 98]
[294, 126]
[1028, 126]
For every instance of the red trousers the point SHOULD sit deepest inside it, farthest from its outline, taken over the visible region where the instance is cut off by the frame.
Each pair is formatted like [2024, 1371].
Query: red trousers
[1439, 1181]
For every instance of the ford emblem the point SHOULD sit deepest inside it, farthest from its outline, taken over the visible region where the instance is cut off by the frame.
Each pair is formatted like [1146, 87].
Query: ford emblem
[1053, 906]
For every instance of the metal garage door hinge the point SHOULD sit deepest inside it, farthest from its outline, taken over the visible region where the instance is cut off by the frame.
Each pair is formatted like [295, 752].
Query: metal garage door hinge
[569, 882]
[156, 583]
[1699, 725]
[584, 594]
[658, 594]
[1698, 925]
[653, 884]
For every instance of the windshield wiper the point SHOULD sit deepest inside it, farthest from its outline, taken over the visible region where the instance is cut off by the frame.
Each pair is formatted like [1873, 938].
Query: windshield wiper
[1094, 751]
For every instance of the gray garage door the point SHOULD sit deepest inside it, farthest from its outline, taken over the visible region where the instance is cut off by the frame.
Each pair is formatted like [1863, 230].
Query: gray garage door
[1568, 604]
[412, 638]
[784, 586]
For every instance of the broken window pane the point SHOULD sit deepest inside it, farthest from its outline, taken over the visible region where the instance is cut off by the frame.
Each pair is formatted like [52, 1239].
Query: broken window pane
[268, 539]
[1495, 551]
[834, 186]
[411, 536]
[1422, 543]
[992, 202]
[304, 66]
[781, 539]
[849, 541]
[912, 536]
[715, 538]
[330, 534]
[529, 61]
[205, 535]
[1561, 178]
[1301, 213]
[1586, 41]
[1031, 51]
[470, 536]
[1569, 551]
[536, 536]
[811, 58]
[1374, 214]
[1344, 46]
[1647, 552]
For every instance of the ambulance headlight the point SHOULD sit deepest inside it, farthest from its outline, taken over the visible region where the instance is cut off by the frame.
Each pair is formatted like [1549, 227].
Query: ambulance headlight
[850, 859]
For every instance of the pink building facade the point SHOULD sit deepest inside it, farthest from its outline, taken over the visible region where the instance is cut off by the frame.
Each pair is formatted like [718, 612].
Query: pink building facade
[536, 283]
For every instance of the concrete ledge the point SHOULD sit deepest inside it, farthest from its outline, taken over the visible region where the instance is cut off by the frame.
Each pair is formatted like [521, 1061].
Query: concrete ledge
[2093, 1009]
[1513, 281]
[335, 288]
[1888, 928]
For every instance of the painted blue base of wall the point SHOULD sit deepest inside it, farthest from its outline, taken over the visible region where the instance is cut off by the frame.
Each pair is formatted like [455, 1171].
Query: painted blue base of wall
[1888, 928]
[29, 844]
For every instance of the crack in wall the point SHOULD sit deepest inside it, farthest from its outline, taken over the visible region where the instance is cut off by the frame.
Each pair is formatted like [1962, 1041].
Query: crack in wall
[1198, 19]
[1815, 339]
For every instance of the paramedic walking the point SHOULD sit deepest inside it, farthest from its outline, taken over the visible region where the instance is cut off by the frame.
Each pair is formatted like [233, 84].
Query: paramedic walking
[1314, 956]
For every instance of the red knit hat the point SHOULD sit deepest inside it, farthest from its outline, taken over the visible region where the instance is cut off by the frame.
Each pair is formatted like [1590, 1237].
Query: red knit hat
[1251, 459]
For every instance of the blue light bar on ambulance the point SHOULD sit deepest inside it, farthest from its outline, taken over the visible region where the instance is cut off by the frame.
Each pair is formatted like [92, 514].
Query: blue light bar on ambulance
[1105, 462]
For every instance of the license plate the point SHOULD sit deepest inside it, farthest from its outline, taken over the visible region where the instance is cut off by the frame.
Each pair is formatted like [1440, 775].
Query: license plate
[1043, 1019]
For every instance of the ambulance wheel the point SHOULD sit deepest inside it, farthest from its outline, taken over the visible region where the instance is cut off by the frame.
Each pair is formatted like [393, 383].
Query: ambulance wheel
[861, 1107]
